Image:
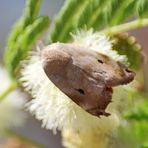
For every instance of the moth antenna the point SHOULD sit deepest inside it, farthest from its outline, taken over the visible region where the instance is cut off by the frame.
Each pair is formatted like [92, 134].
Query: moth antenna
[39, 45]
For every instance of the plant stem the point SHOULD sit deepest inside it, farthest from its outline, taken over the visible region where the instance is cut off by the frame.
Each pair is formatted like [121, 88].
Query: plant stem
[8, 90]
[126, 27]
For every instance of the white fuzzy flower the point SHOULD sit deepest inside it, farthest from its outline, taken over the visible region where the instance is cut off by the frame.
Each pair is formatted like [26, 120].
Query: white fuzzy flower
[57, 111]
[53, 107]
[11, 113]
[97, 42]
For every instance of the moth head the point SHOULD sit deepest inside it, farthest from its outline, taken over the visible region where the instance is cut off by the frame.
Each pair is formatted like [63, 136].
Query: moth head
[112, 72]
[54, 60]
[85, 76]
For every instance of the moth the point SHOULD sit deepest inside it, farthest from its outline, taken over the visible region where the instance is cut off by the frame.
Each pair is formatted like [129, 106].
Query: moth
[85, 76]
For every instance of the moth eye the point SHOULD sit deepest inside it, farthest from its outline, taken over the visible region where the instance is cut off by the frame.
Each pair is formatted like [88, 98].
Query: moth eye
[81, 91]
[100, 61]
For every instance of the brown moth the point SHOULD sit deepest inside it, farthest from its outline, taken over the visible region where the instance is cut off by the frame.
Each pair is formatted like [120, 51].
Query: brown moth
[85, 76]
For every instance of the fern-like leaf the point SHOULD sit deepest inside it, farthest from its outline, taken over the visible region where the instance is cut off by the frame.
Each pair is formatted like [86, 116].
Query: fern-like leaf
[125, 10]
[18, 44]
[30, 13]
[67, 20]
[142, 8]
[25, 43]
[96, 14]
[101, 14]
[127, 45]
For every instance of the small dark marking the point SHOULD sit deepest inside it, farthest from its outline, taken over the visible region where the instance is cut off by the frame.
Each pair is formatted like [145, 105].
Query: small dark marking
[81, 91]
[100, 61]
[127, 70]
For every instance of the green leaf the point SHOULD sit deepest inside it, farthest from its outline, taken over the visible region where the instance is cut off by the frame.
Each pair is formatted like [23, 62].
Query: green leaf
[25, 43]
[142, 8]
[24, 34]
[30, 13]
[101, 13]
[66, 20]
[127, 45]
[96, 14]
[32, 9]
[88, 12]
[124, 10]
[75, 14]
